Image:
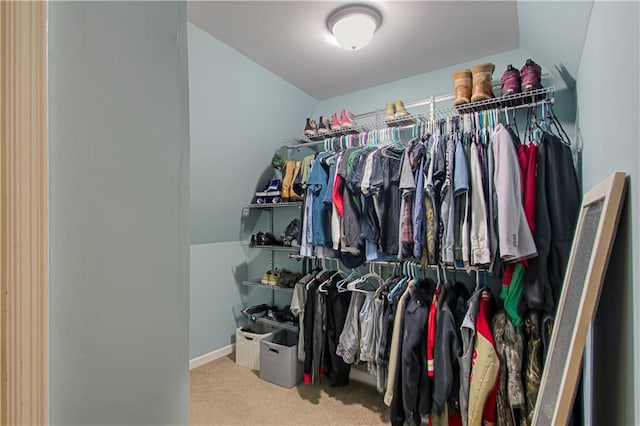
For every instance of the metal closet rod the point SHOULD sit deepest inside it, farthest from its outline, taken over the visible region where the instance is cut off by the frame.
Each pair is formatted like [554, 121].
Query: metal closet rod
[399, 263]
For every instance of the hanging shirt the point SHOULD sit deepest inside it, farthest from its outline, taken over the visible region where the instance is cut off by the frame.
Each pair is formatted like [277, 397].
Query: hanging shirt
[479, 238]
[317, 184]
[407, 188]
[460, 192]
[515, 239]
[306, 245]
[298, 302]
[447, 210]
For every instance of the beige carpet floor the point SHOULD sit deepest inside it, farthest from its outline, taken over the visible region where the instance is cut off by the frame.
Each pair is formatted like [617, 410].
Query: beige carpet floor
[224, 393]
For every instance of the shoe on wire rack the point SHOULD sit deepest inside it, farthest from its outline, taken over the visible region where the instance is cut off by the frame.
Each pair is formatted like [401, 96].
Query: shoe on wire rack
[390, 111]
[401, 114]
[336, 125]
[510, 81]
[271, 193]
[310, 128]
[531, 74]
[266, 278]
[274, 277]
[348, 120]
[323, 125]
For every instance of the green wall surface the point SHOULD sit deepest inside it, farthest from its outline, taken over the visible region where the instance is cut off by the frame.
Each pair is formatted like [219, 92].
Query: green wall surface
[608, 111]
[119, 231]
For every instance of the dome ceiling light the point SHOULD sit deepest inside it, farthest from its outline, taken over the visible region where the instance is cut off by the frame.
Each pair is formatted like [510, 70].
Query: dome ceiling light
[354, 25]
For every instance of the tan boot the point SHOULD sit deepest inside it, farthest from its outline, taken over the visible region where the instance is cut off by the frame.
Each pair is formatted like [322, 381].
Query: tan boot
[287, 180]
[400, 111]
[293, 194]
[390, 112]
[461, 87]
[482, 82]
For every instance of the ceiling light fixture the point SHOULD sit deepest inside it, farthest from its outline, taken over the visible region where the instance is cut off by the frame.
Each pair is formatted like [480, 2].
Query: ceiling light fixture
[354, 25]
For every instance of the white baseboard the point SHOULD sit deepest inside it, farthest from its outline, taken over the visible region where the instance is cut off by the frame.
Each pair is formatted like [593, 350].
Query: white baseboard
[362, 376]
[211, 356]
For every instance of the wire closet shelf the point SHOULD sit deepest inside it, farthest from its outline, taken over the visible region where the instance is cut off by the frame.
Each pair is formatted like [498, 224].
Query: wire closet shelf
[370, 121]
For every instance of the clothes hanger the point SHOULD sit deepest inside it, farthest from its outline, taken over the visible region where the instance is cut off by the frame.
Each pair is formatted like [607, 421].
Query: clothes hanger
[559, 127]
[340, 285]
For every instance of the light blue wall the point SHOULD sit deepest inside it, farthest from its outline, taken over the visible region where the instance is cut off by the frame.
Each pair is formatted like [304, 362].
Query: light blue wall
[217, 293]
[554, 32]
[607, 92]
[119, 233]
[422, 86]
[239, 115]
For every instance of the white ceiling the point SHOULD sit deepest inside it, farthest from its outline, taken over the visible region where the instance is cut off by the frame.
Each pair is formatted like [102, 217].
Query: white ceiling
[290, 39]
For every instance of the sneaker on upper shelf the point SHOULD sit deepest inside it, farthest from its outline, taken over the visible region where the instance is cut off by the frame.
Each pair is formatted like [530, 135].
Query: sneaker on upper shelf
[336, 125]
[323, 125]
[510, 81]
[530, 75]
[310, 128]
[348, 120]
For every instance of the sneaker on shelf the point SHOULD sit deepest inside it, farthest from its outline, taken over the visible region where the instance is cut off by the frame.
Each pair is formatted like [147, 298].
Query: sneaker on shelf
[271, 194]
[336, 125]
[510, 81]
[348, 120]
[273, 278]
[266, 278]
[323, 125]
[530, 75]
[267, 239]
[390, 112]
[310, 128]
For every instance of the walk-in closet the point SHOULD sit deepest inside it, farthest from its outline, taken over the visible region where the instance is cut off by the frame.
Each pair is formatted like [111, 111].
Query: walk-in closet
[332, 212]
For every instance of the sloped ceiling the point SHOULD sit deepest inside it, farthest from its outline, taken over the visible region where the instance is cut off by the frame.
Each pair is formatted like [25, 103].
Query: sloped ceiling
[290, 39]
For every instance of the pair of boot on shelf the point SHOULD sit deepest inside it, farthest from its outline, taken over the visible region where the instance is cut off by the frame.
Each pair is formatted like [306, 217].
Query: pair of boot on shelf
[396, 112]
[476, 84]
[286, 190]
[345, 123]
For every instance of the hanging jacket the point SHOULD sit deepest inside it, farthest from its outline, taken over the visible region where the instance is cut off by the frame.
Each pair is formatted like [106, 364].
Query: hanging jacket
[485, 368]
[515, 239]
[416, 386]
[447, 350]
[349, 340]
[396, 347]
[510, 350]
[337, 305]
[479, 233]
[557, 207]
[468, 333]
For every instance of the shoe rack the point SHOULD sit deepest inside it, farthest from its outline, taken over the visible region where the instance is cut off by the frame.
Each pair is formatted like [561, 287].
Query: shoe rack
[373, 120]
[271, 209]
